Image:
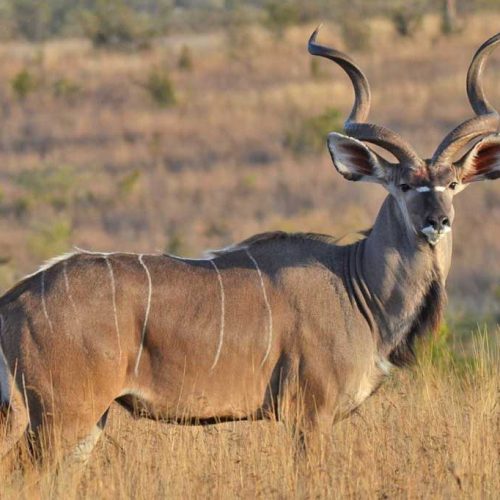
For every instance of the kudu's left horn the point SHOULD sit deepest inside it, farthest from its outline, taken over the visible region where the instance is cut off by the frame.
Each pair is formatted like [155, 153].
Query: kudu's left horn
[355, 125]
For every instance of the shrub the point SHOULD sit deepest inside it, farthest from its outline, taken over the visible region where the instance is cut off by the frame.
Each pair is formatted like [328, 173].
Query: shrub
[308, 136]
[23, 84]
[175, 244]
[185, 61]
[50, 239]
[56, 186]
[63, 88]
[129, 182]
[160, 88]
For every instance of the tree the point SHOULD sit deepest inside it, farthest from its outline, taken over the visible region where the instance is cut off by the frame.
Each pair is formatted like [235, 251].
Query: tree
[449, 19]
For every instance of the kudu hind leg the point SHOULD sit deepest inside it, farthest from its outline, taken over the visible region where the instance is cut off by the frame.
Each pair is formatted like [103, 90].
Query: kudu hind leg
[13, 424]
[66, 440]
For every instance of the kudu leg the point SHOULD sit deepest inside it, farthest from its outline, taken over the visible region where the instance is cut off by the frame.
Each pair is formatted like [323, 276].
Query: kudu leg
[82, 451]
[65, 436]
[308, 419]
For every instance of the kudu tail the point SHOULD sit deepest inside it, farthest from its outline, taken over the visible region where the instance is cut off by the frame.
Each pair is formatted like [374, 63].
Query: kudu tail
[14, 417]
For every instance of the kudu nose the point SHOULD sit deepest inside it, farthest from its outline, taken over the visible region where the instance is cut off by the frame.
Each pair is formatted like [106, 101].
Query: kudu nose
[439, 223]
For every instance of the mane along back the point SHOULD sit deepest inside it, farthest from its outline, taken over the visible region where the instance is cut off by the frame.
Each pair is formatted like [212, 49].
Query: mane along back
[281, 236]
[18, 288]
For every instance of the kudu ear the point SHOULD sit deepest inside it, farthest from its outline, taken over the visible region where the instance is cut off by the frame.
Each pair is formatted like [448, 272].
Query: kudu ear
[354, 160]
[482, 161]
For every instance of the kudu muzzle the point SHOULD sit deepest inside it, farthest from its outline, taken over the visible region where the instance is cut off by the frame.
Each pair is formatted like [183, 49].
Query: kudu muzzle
[438, 217]
[436, 226]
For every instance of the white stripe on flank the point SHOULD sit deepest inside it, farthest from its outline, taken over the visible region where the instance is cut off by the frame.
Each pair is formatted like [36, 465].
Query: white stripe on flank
[113, 293]
[144, 326]
[268, 306]
[26, 401]
[44, 305]
[222, 313]
[68, 292]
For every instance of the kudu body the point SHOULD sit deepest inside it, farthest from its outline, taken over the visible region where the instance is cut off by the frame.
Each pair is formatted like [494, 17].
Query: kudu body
[277, 320]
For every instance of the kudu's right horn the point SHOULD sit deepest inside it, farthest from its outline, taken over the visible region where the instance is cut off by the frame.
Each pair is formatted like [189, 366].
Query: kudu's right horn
[487, 120]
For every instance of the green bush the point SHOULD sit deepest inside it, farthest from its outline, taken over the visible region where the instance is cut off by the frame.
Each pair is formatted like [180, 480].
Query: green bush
[23, 84]
[160, 88]
[308, 136]
[436, 349]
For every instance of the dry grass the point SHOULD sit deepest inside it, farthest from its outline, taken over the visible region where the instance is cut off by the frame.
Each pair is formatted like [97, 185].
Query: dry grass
[432, 432]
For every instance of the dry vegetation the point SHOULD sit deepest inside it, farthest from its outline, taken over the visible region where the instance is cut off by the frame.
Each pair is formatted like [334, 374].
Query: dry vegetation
[432, 432]
[89, 157]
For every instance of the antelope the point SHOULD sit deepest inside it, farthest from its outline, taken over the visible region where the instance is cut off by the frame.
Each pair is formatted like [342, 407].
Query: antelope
[276, 318]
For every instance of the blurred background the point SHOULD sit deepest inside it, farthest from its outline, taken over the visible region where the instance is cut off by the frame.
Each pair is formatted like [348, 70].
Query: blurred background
[182, 125]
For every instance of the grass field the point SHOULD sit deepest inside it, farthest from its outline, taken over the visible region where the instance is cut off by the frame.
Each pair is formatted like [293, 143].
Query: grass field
[89, 157]
[432, 432]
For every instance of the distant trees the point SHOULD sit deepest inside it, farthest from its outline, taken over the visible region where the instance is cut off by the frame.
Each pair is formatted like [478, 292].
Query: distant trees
[132, 23]
[113, 23]
[407, 16]
[280, 15]
[449, 17]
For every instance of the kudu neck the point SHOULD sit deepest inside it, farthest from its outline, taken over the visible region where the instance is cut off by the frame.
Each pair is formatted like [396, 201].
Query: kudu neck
[397, 268]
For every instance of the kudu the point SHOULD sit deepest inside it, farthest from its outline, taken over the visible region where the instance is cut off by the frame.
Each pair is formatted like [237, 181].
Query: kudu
[279, 317]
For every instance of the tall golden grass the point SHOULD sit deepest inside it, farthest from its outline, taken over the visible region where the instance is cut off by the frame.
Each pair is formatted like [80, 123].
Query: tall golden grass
[430, 432]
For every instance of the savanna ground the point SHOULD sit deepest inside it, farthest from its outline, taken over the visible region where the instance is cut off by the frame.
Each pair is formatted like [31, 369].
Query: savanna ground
[91, 155]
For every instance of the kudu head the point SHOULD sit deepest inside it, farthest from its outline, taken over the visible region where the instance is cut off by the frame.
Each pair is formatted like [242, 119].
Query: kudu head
[424, 189]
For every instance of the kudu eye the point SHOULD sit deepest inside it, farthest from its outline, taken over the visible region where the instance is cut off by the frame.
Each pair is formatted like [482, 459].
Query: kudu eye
[404, 187]
[453, 185]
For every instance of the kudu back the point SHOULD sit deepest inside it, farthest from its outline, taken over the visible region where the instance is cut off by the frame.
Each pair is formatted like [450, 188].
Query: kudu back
[277, 318]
